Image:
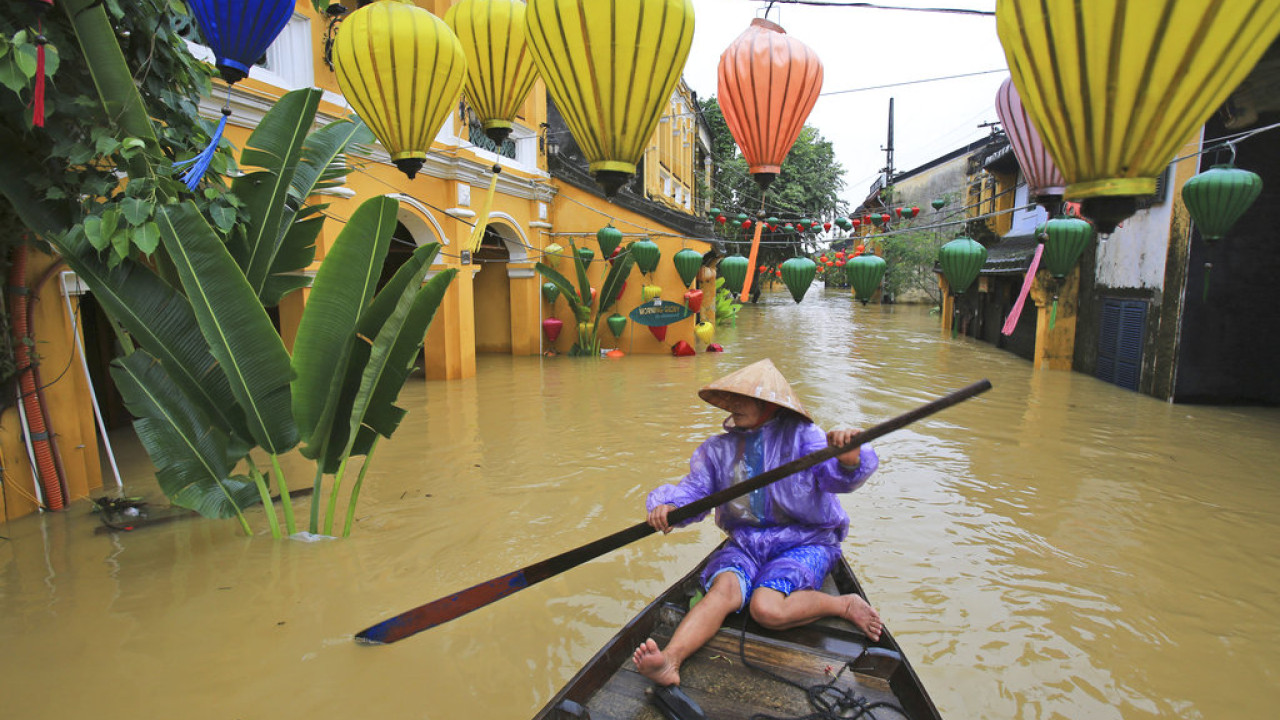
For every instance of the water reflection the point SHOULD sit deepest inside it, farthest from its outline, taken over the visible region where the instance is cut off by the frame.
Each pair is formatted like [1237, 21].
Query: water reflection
[1055, 548]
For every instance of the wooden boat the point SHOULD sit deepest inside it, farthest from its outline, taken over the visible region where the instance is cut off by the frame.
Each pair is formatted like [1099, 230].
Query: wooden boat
[716, 678]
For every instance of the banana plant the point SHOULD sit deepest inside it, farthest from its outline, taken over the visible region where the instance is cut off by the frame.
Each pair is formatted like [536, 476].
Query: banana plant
[579, 298]
[211, 379]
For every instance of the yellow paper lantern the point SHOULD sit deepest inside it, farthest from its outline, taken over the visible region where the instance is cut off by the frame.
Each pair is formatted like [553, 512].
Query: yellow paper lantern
[1115, 87]
[402, 69]
[500, 70]
[705, 331]
[611, 72]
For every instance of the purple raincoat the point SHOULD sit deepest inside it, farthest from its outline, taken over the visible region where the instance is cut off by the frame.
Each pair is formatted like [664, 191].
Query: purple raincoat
[795, 511]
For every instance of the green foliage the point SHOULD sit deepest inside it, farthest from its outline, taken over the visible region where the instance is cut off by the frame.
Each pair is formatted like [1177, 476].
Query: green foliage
[727, 305]
[809, 185]
[579, 298]
[73, 165]
[186, 279]
[909, 258]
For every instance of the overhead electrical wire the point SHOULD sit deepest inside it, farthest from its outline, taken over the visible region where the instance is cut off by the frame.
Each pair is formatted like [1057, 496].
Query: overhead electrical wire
[875, 6]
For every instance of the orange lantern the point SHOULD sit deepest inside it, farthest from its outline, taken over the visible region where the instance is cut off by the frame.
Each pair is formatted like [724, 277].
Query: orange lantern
[768, 84]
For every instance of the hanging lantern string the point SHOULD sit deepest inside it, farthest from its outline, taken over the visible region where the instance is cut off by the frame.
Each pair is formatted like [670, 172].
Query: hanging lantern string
[1227, 141]
[200, 163]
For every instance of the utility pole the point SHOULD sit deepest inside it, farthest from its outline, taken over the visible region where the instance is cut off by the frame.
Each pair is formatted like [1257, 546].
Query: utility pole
[888, 151]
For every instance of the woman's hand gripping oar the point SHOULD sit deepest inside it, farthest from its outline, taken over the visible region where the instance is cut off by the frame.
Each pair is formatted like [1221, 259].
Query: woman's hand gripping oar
[449, 607]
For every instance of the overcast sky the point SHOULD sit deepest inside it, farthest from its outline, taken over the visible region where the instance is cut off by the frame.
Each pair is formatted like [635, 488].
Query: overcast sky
[861, 48]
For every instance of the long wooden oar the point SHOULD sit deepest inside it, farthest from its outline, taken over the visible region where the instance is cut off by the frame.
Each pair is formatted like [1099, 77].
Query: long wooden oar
[438, 612]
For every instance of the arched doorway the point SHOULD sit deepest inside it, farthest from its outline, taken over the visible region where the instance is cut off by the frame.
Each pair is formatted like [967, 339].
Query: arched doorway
[492, 292]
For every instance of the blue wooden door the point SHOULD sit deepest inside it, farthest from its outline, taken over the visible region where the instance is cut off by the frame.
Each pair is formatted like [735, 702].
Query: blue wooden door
[1123, 329]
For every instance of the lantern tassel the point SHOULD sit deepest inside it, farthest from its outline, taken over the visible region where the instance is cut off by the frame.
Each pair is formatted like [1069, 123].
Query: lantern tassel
[751, 263]
[482, 220]
[1053, 314]
[1205, 293]
[37, 102]
[1011, 322]
[200, 163]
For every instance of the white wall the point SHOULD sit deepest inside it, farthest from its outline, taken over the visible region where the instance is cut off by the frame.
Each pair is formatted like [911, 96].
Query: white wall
[1134, 255]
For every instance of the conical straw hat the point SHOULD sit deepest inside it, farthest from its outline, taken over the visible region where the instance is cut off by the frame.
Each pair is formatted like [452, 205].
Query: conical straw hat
[759, 380]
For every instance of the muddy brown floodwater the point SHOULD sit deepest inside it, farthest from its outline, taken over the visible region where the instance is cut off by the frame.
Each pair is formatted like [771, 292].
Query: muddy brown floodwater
[1056, 548]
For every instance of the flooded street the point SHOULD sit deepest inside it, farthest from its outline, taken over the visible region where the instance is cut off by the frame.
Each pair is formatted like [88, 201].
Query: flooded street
[1055, 548]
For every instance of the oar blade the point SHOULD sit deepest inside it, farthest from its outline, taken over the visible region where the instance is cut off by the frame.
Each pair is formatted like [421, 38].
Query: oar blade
[438, 612]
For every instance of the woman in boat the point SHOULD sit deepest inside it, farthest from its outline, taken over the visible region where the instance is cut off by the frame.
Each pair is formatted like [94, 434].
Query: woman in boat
[783, 538]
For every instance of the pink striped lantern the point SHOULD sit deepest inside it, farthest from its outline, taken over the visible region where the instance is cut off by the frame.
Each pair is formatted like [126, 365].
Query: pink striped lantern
[1044, 181]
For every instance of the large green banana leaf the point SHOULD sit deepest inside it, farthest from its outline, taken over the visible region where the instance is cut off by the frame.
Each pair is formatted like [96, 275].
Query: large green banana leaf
[581, 310]
[322, 157]
[276, 147]
[322, 166]
[613, 282]
[240, 336]
[297, 252]
[340, 294]
[391, 358]
[161, 321]
[193, 456]
[398, 324]
[381, 412]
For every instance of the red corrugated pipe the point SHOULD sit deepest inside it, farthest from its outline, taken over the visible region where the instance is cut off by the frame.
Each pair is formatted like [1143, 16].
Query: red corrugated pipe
[28, 381]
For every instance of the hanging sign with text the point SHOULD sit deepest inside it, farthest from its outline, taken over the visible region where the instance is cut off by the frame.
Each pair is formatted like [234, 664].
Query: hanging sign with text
[660, 312]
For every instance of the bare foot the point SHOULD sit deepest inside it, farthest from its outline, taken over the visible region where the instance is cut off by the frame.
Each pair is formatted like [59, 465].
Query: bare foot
[864, 616]
[654, 665]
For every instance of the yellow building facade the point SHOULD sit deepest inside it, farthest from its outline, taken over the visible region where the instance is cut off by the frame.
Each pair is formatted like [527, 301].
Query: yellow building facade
[494, 305]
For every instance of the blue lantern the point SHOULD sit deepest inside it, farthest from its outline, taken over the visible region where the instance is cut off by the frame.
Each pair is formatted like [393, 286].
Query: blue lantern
[239, 33]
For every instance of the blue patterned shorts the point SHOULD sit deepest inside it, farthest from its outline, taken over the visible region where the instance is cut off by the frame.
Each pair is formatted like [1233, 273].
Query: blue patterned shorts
[803, 567]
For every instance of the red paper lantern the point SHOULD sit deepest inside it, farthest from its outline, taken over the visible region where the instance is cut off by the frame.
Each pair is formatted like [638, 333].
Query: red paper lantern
[915, 210]
[721, 219]
[693, 299]
[746, 224]
[827, 225]
[857, 224]
[839, 254]
[683, 349]
[763, 268]
[659, 331]
[840, 263]
[860, 249]
[551, 328]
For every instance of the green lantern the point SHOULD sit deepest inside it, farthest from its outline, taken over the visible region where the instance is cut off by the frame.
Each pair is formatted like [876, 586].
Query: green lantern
[797, 275]
[1065, 239]
[609, 238]
[687, 263]
[843, 223]
[617, 324]
[773, 221]
[1217, 197]
[550, 291]
[938, 204]
[734, 271]
[647, 254]
[962, 259]
[741, 218]
[713, 213]
[864, 273]
[587, 255]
